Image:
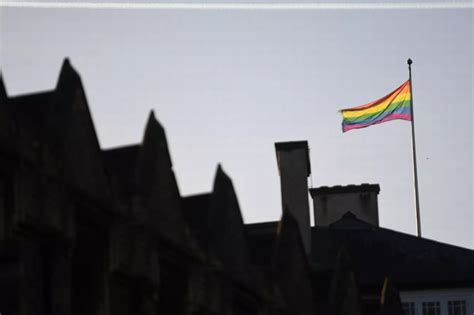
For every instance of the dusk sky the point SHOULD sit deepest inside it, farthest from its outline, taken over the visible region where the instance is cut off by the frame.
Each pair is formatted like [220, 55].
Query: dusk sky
[228, 84]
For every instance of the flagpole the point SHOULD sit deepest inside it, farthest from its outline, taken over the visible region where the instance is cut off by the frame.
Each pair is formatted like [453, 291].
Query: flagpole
[415, 172]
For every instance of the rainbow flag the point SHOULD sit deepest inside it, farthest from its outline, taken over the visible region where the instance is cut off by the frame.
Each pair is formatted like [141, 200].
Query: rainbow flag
[396, 105]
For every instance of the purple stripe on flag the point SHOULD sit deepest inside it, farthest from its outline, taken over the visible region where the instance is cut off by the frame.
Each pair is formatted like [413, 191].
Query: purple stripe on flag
[388, 118]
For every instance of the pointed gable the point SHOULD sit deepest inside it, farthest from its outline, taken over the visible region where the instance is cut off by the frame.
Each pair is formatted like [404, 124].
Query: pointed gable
[157, 190]
[344, 296]
[291, 269]
[226, 226]
[54, 130]
[72, 132]
[154, 158]
[53, 136]
[390, 303]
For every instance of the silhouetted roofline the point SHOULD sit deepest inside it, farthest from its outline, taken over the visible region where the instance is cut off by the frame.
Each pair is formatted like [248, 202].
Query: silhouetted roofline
[125, 147]
[326, 190]
[30, 95]
[197, 196]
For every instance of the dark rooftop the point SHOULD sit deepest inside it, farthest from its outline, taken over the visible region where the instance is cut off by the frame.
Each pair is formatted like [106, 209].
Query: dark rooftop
[376, 253]
[325, 190]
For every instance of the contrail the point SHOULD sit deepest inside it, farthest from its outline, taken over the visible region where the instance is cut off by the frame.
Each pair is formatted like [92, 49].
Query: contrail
[237, 6]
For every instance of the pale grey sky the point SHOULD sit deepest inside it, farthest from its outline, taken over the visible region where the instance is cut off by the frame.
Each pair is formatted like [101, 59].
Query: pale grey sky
[227, 84]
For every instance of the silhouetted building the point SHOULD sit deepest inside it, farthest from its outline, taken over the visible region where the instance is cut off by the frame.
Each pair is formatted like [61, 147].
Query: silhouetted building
[86, 231]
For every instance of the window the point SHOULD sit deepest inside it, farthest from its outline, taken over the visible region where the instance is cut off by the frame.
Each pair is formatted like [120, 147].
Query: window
[409, 308]
[457, 307]
[431, 308]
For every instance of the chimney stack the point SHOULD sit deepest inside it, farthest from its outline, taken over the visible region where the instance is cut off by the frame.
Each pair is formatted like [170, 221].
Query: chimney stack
[294, 168]
[331, 203]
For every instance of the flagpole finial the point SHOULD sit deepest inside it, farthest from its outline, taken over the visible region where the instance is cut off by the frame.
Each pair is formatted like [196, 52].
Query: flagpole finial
[409, 61]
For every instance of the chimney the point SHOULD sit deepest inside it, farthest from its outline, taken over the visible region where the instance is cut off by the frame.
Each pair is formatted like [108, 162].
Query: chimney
[294, 168]
[331, 203]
